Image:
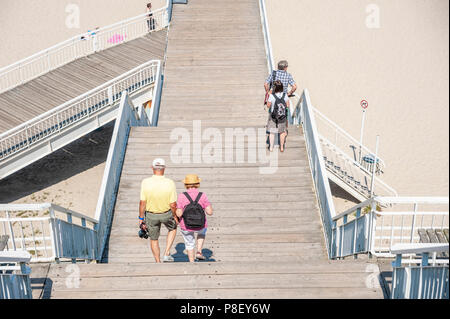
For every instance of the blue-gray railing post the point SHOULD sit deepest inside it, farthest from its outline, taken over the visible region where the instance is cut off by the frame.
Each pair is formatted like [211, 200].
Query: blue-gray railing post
[157, 103]
[169, 10]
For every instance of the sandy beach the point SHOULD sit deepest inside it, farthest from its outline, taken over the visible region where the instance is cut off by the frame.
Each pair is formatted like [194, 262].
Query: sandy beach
[28, 27]
[400, 68]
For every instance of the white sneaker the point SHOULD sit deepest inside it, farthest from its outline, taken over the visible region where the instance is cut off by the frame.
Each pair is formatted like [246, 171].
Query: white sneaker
[168, 259]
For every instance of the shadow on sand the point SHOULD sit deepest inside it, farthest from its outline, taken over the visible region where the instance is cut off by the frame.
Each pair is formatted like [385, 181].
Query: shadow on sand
[79, 156]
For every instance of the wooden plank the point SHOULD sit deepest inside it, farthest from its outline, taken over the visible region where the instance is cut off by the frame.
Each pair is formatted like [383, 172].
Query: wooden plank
[239, 293]
[73, 79]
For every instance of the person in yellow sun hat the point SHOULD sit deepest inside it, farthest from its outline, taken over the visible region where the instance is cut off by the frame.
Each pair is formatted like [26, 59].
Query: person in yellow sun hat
[192, 208]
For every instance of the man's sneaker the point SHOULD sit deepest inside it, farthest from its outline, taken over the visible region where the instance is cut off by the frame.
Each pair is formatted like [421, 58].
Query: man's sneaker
[168, 259]
[199, 256]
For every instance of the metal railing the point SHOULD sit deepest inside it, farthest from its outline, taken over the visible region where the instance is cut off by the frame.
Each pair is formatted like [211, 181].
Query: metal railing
[318, 170]
[126, 118]
[345, 142]
[266, 33]
[358, 174]
[82, 107]
[48, 232]
[80, 46]
[15, 275]
[422, 281]
[365, 228]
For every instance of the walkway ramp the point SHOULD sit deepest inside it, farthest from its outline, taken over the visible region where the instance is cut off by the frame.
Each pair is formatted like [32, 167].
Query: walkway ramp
[54, 97]
[265, 239]
[50, 90]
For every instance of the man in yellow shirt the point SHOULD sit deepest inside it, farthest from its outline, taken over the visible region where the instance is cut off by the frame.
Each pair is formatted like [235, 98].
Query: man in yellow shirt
[158, 206]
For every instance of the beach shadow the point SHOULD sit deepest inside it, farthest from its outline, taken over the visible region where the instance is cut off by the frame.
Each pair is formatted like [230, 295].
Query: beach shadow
[339, 192]
[180, 256]
[75, 158]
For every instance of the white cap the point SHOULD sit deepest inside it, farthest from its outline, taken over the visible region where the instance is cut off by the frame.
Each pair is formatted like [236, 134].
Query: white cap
[158, 162]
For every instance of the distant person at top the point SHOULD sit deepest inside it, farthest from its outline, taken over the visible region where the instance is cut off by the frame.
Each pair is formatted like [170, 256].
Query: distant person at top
[192, 207]
[158, 206]
[150, 21]
[278, 104]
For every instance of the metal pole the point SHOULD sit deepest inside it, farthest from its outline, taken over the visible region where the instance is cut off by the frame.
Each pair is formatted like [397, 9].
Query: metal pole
[362, 133]
[374, 167]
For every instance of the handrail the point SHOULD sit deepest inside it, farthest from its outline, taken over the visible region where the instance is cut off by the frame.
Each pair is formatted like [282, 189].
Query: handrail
[295, 118]
[75, 99]
[47, 237]
[15, 275]
[14, 257]
[353, 209]
[126, 118]
[318, 170]
[266, 33]
[71, 112]
[378, 238]
[362, 168]
[419, 248]
[79, 46]
[44, 206]
[351, 138]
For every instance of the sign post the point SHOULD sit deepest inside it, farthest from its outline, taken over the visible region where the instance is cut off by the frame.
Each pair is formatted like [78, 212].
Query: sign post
[374, 167]
[364, 104]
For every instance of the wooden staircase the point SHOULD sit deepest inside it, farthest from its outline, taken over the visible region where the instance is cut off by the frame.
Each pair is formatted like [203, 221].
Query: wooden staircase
[265, 238]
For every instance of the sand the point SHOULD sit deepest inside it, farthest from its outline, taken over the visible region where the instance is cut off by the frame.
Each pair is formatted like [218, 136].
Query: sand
[28, 27]
[70, 177]
[401, 69]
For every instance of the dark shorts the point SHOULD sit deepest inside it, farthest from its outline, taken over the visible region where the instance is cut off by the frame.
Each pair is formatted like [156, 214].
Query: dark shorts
[154, 222]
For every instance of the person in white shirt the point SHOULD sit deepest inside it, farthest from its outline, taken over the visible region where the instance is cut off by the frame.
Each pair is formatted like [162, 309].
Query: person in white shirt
[277, 97]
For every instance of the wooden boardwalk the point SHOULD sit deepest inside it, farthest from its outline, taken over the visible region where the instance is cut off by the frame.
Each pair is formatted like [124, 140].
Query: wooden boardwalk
[265, 239]
[37, 96]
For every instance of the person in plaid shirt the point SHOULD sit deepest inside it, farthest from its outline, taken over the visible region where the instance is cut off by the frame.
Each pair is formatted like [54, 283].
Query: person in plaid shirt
[282, 75]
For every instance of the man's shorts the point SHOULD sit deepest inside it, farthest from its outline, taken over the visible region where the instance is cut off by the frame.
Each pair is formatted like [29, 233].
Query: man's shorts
[154, 222]
[189, 237]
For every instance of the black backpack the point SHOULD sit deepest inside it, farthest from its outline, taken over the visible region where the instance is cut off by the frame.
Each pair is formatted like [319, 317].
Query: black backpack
[194, 214]
[279, 109]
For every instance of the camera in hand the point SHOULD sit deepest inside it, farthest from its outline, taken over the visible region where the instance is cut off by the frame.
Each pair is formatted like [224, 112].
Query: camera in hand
[143, 233]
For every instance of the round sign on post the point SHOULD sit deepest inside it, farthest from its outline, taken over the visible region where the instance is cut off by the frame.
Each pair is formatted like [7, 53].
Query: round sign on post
[364, 104]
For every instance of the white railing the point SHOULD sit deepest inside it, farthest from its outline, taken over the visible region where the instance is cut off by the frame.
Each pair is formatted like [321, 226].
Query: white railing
[347, 157]
[318, 170]
[48, 232]
[80, 46]
[57, 120]
[266, 33]
[15, 275]
[346, 143]
[366, 228]
[422, 281]
[363, 174]
[126, 118]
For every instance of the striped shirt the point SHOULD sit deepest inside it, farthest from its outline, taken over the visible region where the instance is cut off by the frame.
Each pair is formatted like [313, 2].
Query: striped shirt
[284, 77]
